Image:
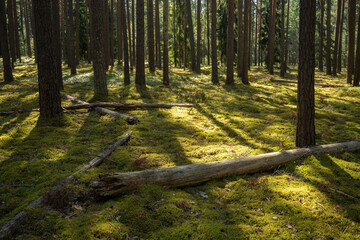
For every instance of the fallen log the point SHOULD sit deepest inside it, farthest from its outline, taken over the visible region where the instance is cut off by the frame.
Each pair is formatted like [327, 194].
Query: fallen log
[10, 226]
[116, 183]
[131, 120]
[316, 84]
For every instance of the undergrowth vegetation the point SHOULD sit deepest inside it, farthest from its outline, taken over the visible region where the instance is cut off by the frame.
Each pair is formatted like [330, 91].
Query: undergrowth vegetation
[300, 200]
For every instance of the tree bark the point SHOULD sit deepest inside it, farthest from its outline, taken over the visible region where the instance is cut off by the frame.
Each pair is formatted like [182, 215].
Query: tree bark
[70, 38]
[11, 32]
[328, 37]
[49, 87]
[337, 35]
[245, 69]
[125, 42]
[77, 41]
[321, 33]
[357, 61]
[111, 50]
[133, 31]
[282, 56]
[351, 39]
[8, 76]
[150, 35]
[140, 51]
[166, 80]
[110, 185]
[157, 35]
[106, 34]
[305, 133]
[240, 42]
[339, 65]
[129, 29]
[198, 39]
[191, 34]
[272, 37]
[98, 47]
[119, 29]
[57, 41]
[27, 28]
[287, 36]
[230, 45]
[208, 30]
[16, 31]
[214, 68]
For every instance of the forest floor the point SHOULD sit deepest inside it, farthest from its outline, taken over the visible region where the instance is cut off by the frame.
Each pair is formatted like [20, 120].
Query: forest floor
[296, 201]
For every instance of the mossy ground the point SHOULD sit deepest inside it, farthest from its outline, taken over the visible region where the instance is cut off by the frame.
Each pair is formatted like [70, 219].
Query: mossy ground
[297, 201]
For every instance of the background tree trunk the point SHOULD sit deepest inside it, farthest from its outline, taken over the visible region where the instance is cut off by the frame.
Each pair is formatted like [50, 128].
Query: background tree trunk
[49, 87]
[208, 30]
[106, 34]
[339, 64]
[129, 29]
[321, 33]
[282, 56]
[271, 37]
[247, 9]
[57, 41]
[150, 36]
[198, 44]
[214, 68]
[119, 29]
[240, 42]
[11, 32]
[16, 31]
[337, 35]
[70, 37]
[77, 41]
[287, 36]
[357, 62]
[157, 34]
[98, 46]
[305, 132]
[140, 51]
[191, 34]
[351, 39]
[8, 76]
[111, 50]
[230, 45]
[328, 37]
[166, 44]
[125, 42]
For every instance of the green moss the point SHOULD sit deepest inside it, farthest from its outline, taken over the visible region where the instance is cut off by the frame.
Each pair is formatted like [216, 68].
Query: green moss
[297, 201]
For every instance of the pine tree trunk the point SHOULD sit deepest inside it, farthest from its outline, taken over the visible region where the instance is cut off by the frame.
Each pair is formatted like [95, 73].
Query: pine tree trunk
[70, 38]
[240, 43]
[282, 56]
[111, 33]
[175, 49]
[337, 35]
[287, 36]
[328, 37]
[27, 28]
[157, 34]
[305, 134]
[98, 46]
[198, 44]
[351, 39]
[106, 34]
[357, 61]
[260, 36]
[11, 32]
[57, 41]
[185, 41]
[49, 87]
[119, 29]
[150, 36]
[125, 42]
[245, 74]
[16, 32]
[129, 29]
[63, 28]
[272, 37]
[321, 33]
[77, 41]
[214, 68]
[88, 35]
[256, 40]
[133, 32]
[339, 64]
[8, 76]
[140, 51]
[33, 29]
[166, 44]
[230, 45]
[191, 34]
[208, 30]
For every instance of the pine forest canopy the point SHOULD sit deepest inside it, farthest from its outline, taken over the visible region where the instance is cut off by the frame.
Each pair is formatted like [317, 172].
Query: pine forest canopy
[141, 40]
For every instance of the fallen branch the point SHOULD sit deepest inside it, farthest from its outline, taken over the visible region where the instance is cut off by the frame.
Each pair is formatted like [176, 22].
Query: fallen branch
[316, 84]
[12, 224]
[130, 119]
[114, 184]
[128, 105]
[18, 111]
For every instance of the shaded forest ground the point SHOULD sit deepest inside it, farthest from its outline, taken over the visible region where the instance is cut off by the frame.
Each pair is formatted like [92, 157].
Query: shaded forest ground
[296, 201]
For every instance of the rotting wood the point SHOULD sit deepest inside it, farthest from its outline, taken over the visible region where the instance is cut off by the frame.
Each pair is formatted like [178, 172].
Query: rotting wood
[10, 226]
[116, 183]
[317, 84]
